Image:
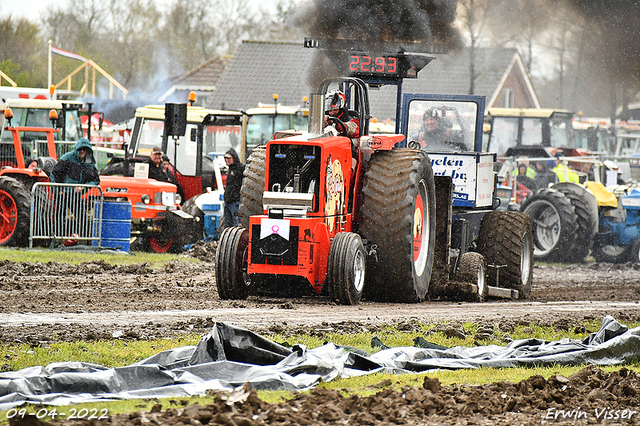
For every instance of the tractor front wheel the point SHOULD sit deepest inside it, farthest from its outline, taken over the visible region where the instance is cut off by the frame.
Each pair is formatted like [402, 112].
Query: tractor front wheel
[231, 264]
[15, 205]
[346, 268]
[609, 253]
[554, 223]
[160, 244]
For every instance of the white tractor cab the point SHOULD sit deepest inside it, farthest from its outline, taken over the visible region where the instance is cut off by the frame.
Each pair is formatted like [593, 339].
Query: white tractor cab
[205, 134]
[525, 132]
[35, 113]
[381, 127]
[265, 120]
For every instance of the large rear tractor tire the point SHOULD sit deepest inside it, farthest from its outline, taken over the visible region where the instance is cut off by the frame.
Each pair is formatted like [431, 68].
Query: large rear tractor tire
[554, 223]
[346, 268]
[15, 205]
[505, 240]
[252, 186]
[231, 264]
[399, 217]
[471, 269]
[586, 209]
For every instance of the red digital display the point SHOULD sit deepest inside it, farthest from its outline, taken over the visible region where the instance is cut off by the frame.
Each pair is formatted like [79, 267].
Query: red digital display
[373, 65]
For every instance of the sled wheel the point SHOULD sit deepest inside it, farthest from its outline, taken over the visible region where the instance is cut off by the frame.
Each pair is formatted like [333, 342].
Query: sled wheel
[471, 269]
[160, 244]
[554, 223]
[231, 264]
[252, 186]
[398, 216]
[15, 205]
[608, 253]
[346, 268]
[586, 209]
[505, 239]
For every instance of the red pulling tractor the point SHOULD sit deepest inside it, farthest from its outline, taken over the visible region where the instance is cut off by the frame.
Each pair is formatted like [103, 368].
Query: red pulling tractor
[362, 216]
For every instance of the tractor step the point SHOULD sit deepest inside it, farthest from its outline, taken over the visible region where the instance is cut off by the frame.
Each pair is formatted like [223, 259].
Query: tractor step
[505, 293]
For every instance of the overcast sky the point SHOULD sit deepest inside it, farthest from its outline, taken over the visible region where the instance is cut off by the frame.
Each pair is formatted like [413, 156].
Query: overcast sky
[27, 9]
[32, 8]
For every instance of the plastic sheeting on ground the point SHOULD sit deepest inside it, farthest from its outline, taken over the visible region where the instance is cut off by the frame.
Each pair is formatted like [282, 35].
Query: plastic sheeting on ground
[229, 356]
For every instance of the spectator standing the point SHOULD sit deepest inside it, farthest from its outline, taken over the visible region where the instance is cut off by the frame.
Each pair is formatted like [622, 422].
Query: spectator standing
[75, 167]
[232, 188]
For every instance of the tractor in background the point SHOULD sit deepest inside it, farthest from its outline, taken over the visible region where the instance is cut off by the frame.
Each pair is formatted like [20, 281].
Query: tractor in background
[156, 218]
[368, 216]
[204, 133]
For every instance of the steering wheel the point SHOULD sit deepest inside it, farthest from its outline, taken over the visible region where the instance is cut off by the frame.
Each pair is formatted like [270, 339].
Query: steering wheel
[414, 145]
[339, 125]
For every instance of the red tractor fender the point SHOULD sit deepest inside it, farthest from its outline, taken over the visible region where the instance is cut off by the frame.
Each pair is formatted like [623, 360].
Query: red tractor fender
[34, 174]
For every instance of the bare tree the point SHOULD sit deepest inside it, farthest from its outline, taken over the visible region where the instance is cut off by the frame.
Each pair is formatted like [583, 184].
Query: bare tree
[473, 17]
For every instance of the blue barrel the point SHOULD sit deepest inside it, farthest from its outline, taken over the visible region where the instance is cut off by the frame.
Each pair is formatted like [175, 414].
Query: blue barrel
[116, 225]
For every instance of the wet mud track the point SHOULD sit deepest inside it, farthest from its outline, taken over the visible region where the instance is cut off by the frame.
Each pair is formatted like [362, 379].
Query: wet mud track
[55, 301]
[58, 302]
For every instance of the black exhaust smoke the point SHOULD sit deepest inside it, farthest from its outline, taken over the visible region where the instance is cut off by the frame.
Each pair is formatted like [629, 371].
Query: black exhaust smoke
[379, 25]
[422, 21]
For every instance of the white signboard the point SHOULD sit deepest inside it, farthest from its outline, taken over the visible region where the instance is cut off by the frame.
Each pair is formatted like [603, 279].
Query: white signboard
[472, 175]
[141, 170]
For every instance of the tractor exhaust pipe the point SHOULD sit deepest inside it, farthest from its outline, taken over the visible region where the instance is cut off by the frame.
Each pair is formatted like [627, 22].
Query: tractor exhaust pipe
[316, 114]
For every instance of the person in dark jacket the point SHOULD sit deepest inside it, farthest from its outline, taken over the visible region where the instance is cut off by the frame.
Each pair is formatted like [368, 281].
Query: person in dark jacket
[156, 171]
[232, 188]
[77, 166]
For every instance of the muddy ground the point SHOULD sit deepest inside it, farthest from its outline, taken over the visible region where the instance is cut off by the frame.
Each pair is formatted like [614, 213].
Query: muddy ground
[41, 303]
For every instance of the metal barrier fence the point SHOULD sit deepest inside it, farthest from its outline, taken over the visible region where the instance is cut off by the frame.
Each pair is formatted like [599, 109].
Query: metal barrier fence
[66, 211]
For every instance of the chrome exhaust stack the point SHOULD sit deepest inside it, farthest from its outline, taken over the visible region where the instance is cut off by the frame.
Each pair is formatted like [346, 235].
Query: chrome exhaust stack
[316, 114]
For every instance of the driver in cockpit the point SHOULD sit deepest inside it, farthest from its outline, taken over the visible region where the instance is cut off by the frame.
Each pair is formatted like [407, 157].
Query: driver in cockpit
[336, 113]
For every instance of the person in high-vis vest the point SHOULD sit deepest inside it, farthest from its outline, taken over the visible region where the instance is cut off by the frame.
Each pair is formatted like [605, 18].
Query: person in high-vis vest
[525, 169]
[565, 174]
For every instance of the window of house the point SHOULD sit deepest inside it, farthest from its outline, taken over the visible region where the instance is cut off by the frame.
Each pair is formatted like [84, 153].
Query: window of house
[508, 98]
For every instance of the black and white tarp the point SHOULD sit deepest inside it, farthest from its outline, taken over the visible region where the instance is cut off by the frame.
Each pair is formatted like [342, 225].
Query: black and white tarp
[229, 357]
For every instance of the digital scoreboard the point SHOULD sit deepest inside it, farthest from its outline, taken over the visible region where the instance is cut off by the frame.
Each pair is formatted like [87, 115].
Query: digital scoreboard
[354, 60]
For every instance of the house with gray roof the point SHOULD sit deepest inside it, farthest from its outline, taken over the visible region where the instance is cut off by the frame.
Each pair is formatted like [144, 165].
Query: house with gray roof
[203, 80]
[258, 70]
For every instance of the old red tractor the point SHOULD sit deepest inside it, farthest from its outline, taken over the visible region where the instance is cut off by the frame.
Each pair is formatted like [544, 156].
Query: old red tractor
[326, 201]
